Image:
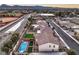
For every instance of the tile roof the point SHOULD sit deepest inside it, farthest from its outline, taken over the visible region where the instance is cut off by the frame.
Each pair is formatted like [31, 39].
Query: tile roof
[46, 34]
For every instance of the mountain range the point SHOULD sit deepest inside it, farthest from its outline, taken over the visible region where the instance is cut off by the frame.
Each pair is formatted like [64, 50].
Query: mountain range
[5, 7]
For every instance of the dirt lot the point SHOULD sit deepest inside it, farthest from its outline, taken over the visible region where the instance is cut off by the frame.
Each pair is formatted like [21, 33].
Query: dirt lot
[6, 20]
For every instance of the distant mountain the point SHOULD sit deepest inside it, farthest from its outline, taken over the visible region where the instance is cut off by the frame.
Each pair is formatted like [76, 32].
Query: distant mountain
[4, 5]
[8, 7]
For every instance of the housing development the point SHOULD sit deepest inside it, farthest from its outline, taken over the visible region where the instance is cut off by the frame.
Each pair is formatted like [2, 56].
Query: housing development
[39, 30]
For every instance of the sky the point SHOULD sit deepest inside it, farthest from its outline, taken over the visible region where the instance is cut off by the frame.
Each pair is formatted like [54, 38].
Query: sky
[64, 5]
[50, 3]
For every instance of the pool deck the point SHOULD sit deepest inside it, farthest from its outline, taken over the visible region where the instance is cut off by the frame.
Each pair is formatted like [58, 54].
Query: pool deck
[25, 40]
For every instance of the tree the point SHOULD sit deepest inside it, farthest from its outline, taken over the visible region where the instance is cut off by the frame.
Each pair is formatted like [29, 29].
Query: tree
[76, 35]
[7, 47]
[71, 52]
[15, 37]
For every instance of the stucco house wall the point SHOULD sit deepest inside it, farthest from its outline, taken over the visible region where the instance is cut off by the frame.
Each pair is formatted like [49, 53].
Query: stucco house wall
[48, 47]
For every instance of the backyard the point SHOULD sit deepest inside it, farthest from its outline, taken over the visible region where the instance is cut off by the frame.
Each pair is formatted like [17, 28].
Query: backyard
[29, 36]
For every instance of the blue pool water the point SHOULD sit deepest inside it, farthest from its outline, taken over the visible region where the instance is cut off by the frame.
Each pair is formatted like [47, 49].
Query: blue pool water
[23, 47]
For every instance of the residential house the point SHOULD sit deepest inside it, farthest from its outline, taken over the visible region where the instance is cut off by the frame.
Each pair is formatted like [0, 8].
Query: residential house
[45, 38]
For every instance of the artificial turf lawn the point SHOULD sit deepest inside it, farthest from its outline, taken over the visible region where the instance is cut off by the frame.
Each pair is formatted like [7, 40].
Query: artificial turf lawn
[28, 36]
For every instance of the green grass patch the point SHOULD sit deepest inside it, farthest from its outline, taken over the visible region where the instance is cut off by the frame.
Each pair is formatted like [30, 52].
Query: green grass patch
[30, 36]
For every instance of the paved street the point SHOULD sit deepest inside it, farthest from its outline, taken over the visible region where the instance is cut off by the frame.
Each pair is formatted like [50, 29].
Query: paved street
[70, 42]
[20, 29]
[7, 28]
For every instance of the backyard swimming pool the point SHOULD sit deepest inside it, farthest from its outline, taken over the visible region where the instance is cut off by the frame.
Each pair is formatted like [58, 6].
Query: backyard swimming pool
[23, 46]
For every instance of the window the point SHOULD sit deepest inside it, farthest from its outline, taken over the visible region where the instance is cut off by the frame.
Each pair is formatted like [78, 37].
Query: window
[54, 46]
[49, 46]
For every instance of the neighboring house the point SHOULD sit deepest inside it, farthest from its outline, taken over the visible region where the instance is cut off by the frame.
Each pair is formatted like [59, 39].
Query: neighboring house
[75, 27]
[45, 39]
[76, 30]
[46, 14]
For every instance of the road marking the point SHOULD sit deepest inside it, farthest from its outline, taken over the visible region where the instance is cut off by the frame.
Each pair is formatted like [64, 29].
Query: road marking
[62, 40]
[66, 33]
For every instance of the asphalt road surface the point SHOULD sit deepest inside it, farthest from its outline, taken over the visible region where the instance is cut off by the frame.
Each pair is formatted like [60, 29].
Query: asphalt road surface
[69, 41]
[20, 28]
